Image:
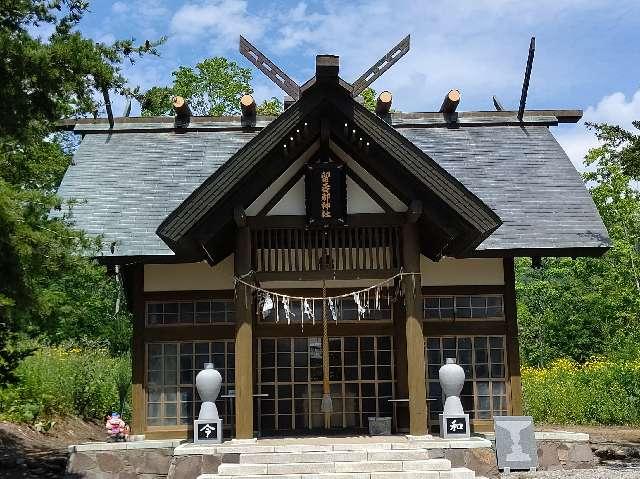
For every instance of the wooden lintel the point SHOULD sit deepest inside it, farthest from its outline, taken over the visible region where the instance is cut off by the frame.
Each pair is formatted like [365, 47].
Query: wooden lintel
[354, 274]
[300, 221]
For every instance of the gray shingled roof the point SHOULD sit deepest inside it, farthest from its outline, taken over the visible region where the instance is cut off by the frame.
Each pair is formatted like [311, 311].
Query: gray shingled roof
[525, 176]
[127, 183]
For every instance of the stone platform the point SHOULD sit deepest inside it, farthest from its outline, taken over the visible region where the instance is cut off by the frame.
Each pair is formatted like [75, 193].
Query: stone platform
[318, 457]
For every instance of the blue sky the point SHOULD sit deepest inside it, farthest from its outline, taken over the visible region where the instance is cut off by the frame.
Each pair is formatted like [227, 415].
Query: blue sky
[587, 51]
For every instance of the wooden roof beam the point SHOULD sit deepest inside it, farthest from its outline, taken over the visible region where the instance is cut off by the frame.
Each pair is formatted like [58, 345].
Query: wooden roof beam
[383, 104]
[327, 68]
[248, 108]
[183, 112]
[450, 102]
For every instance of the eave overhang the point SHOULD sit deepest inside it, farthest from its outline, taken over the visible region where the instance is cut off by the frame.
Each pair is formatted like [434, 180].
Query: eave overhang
[453, 220]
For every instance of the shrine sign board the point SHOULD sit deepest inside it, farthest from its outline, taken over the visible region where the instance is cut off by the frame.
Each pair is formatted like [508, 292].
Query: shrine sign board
[326, 194]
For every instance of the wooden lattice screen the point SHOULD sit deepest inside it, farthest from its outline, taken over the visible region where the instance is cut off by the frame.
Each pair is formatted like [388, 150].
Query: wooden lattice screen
[355, 249]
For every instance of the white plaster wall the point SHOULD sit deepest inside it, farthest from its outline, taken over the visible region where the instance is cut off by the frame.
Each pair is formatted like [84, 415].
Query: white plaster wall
[200, 276]
[293, 203]
[450, 271]
[358, 201]
[189, 276]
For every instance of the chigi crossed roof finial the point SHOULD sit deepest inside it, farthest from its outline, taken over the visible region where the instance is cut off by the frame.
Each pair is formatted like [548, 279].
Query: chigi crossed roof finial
[291, 88]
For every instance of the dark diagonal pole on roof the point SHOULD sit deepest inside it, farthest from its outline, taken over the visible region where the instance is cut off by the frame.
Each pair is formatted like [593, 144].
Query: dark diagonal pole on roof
[266, 66]
[527, 77]
[381, 66]
[107, 105]
[496, 103]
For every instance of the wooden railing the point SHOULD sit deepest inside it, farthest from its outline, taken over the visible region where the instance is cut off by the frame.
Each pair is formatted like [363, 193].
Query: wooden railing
[356, 251]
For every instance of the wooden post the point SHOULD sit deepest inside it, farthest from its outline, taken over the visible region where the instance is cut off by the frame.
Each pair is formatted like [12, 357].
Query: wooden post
[513, 345]
[138, 383]
[244, 336]
[412, 286]
[400, 363]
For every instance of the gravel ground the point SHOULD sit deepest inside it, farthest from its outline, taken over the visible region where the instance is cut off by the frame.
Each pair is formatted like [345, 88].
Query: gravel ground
[599, 473]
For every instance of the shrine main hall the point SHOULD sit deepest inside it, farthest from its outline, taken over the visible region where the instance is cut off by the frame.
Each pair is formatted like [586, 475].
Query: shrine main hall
[331, 251]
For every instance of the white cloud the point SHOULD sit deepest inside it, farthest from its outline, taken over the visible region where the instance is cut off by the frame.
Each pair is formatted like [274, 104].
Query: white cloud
[477, 46]
[219, 22]
[614, 109]
[120, 7]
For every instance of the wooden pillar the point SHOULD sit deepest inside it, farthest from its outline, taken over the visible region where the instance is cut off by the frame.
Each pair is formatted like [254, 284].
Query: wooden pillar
[244, 338]
[513, 345]
[135, 280]
[400, 363]
[412, 285]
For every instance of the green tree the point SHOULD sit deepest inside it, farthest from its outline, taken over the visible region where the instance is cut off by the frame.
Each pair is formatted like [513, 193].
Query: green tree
[49, 283]
[623, 146]
[370, 97]
[589, 306]
[213, 88]
[272, 107]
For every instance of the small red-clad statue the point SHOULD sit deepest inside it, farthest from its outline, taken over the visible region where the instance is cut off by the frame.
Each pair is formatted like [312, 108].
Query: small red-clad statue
[116, 427]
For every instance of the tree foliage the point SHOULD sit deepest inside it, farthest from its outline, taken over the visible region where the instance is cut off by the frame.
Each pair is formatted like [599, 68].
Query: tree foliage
[590, 306]
[213, 88]
[370, 97]
[49, 285]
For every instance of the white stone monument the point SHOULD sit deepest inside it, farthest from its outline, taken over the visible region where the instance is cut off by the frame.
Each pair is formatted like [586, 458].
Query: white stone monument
[454, 423]
[208, 427]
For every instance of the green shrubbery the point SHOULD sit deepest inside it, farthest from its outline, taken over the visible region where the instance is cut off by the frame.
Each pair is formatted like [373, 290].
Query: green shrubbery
[597, 392]
[56, 381]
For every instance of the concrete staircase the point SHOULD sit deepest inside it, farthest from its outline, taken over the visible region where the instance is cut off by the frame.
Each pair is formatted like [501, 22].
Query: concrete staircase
[335, 461]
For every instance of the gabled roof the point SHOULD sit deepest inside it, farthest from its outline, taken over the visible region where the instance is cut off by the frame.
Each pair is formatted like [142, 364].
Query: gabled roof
[457, 219]
[129, 179]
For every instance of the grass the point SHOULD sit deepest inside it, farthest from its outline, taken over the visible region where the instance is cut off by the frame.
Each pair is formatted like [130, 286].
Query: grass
[600, 391]
[68, 381]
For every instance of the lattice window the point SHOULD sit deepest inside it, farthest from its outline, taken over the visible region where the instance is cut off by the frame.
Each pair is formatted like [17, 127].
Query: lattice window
[484, 394]
[463, 307]
[172, 399]
[290, 374]
[214, 311]
[346, 310]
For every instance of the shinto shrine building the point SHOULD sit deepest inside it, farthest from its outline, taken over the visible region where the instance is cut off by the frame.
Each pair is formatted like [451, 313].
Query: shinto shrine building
[329, 194]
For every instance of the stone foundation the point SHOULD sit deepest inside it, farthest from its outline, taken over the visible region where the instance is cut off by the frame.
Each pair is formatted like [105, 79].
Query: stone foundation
[165, 460]
[558, 455]
[137, 460]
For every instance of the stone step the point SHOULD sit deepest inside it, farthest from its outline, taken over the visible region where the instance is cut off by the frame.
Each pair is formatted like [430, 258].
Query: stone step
[255, 449]
[398, 455]
[305, 468]
[455, 473]
[303, 456]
